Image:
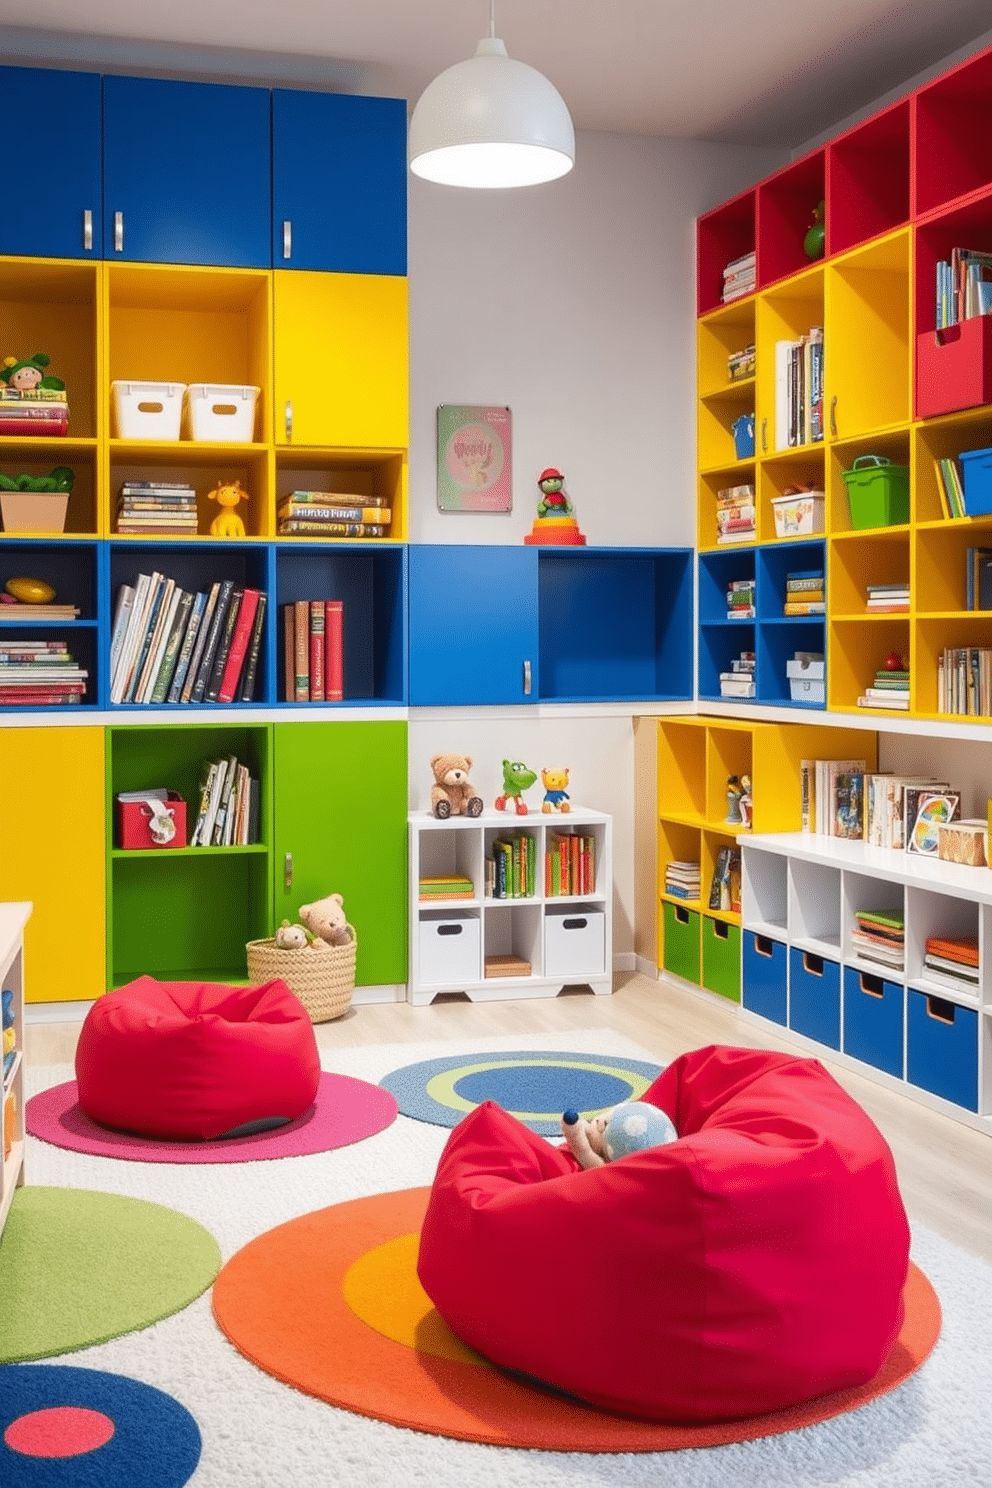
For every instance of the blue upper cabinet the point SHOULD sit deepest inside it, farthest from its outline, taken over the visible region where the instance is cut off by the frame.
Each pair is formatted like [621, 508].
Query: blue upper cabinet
[473, 625]
[50, 183]
[338, 183]
[187, 174]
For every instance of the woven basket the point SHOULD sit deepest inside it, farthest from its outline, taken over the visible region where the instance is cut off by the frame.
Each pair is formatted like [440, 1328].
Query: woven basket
[323, 980]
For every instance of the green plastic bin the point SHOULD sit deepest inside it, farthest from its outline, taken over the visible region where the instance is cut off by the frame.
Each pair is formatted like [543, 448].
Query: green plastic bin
[878, 492]
[722, 958]
[681, 944]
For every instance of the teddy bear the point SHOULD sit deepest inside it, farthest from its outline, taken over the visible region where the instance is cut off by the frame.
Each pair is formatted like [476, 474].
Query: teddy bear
[452, 793]
[555, 794]
[326, 920]
[629, 1127]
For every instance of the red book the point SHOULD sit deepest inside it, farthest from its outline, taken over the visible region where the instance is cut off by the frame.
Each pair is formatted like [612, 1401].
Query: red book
[334, 650]
[239, 646]
[317, 651]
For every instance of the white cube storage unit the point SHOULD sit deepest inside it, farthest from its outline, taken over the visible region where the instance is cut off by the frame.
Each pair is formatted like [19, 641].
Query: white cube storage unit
[503, 928]
[923, 1033]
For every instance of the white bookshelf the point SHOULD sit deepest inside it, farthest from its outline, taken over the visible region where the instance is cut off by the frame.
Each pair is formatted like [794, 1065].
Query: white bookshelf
[567, 940]
[13, 918]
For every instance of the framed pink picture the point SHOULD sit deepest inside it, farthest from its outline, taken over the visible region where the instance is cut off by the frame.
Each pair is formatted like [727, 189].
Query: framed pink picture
[473, 458]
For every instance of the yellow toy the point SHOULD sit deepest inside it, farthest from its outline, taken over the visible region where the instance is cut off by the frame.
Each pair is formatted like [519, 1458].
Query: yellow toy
[555, 794]
[227, 523]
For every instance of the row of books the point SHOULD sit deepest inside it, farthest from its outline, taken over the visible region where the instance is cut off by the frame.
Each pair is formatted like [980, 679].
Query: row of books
[879, 937]
[740, 599]
[978, 579]
[40, 411]
[725, 885]
[804, 592]
[887, 599]
[313, 651]
[174, 645]
[741, 364]
[162, 508]
[511, 870]
[569, 864]
[323, 514]
[963, 286]
[842, 798]
[683, 879]
[228, 808]
[739, 681]
[39, 673]
[952, 961]
[799, 390]
[735, 514]
[964, 681]
[889, 689]
[950, 487]
[739, 277]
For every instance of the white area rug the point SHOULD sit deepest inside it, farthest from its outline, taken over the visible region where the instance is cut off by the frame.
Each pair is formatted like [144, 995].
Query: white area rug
[932, 1432]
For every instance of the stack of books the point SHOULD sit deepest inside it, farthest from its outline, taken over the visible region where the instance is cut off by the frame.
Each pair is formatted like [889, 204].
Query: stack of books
[879, 937]
[978, 579]
[569, 864]
[739, 277]
[887, 599]
[799, 390]
[507, 966]
[949, 487]
[228, 809]
[447, 886]
[42, 411]
[741, 364]
[682, 879]
[323, 514]
[313, 651]
[739, 681]
[889, 689]
[804, 594]
[963, 286]
[830, 791]
[740, 599]
[174, 645]
[964, 681]
[891, 806]
[18, 612]
[952, 961]
[735, 514]
[42, 673]
[157, 507]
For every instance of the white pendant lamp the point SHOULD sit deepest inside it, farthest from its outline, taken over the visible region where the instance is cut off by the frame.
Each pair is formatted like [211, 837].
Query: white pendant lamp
[491, 122]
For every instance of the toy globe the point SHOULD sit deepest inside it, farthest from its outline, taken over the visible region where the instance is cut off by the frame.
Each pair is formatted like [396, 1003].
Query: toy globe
[634, 1126]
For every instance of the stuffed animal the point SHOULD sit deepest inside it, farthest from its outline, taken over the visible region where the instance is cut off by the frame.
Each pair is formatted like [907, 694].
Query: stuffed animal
[27, 375]
[326, 920]
[227, 523]
[452, 793]
[517, 777]
[629, 1127]
[555, 794]
[293, 937]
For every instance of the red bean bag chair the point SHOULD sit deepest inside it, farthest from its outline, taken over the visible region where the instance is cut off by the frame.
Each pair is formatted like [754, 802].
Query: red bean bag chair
[191, 1060]
[755, 1263]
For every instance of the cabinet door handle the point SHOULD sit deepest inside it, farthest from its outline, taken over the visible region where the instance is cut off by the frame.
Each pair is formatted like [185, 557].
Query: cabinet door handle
[527, 679]
[118, 232]
[833, 414]
[287, 875]
[87, 230]
[287, 239]
[764, 436]
[289, 421]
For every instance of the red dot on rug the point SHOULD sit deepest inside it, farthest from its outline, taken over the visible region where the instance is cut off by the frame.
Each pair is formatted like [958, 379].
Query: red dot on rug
[62, 1431]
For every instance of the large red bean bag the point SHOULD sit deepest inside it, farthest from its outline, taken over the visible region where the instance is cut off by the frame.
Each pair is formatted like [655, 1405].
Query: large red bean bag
[196, 1059]
[757, 1262]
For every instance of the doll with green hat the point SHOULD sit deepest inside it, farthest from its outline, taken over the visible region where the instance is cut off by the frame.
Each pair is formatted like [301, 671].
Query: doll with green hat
[28, 375]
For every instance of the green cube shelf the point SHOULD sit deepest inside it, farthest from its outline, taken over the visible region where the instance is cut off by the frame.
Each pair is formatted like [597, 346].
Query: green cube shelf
[722, 958]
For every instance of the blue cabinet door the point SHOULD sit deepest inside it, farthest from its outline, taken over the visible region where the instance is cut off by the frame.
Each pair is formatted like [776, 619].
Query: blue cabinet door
[473, 625]
[187, 172]
[50, 184]
[338, 183]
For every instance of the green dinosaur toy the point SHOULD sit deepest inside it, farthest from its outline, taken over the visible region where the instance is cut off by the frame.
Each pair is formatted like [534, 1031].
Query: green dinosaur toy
[517, 777]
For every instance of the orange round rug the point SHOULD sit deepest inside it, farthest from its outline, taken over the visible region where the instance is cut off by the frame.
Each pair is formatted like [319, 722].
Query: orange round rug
[331, 1304]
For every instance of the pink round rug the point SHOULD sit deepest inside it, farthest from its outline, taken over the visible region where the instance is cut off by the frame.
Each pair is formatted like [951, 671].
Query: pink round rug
[346, 1110]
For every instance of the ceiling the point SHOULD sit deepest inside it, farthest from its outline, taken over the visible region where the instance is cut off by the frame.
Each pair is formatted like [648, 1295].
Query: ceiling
[760, 72]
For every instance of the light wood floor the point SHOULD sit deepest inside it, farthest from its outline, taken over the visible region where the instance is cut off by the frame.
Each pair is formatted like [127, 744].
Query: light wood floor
[945, 1168]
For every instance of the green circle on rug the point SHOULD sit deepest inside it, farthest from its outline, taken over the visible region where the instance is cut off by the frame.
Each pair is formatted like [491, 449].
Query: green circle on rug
[535, 1085]
[78, 1267]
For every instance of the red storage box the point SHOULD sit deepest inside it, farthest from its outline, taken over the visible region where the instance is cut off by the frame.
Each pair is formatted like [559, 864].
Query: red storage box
[954, 367]
[134, 818]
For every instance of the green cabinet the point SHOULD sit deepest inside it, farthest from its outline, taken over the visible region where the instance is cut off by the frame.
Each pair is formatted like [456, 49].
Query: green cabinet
[340, 810]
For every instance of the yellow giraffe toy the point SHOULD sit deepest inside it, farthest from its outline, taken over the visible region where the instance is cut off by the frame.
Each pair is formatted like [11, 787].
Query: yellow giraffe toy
[227, 523]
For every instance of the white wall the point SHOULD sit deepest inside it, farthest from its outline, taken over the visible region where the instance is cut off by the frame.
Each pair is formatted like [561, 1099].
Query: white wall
[573, 304]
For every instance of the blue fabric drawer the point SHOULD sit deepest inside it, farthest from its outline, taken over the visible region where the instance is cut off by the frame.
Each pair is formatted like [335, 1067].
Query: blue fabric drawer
[814, 997]
[874, 1020]
[763, 989]
[942, 1048]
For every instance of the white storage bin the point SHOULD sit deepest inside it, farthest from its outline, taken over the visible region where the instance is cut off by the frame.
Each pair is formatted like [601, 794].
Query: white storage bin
[574, 942]
[221, 412]
[806, 681]
[148, 410]
[797, 515]
[450, 950]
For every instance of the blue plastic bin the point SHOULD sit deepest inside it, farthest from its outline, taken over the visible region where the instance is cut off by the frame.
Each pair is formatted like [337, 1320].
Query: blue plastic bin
[976, 481]
[814, 997]
[763, 987]
[874, 1020]
[942, 1048]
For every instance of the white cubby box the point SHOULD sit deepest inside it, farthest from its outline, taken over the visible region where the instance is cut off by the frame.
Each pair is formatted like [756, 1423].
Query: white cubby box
[508, 906]
[902, 1023]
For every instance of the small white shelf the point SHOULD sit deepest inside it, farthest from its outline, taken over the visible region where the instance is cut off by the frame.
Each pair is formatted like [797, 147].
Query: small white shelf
[13, 918]
[566, 939]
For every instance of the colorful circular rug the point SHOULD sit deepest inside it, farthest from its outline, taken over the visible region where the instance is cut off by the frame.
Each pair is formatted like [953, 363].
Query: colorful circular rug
[78, 1267]
[348, 1274]
[536, 1086]
[61, 1426]
[346, 1110]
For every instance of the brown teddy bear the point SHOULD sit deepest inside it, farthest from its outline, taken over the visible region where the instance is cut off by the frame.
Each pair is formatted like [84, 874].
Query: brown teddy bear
[326, 919]
[452, 793]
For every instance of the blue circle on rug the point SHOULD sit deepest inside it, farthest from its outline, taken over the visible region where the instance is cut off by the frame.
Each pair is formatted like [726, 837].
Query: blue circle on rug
[62, 1427]
[536, 1086]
